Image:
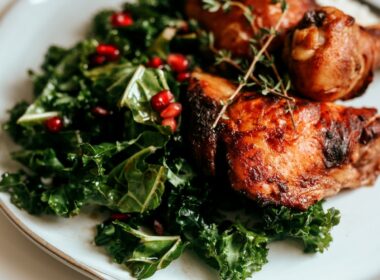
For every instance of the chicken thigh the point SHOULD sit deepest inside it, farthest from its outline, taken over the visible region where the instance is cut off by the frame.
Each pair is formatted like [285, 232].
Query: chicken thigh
[231, 28]
[332, 147]
[331, 57]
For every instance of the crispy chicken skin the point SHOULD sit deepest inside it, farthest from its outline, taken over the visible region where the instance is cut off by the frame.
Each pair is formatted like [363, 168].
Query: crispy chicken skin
[332, 148]
[231, 29]
[331, 57]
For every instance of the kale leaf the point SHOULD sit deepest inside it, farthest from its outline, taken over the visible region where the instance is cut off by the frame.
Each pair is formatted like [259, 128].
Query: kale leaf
[312, 227]
[42, 162]
[63, 90]
[141, 253]
[142, 86]
[144, 183]
[25, 191]
[235, 251]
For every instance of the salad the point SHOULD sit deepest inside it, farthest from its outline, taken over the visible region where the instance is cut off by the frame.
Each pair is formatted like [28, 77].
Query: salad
[105, 129]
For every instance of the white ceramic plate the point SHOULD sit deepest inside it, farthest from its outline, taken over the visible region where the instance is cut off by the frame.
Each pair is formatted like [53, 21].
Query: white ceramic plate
[25, 34]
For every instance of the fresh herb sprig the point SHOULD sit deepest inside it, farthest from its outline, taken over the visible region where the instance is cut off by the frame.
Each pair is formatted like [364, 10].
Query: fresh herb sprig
[265, 39]
[225, 5]
[266, 87]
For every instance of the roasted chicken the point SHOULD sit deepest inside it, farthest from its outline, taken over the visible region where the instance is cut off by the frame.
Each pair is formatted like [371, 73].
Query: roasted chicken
[332, 147]
[331, 57]
[231, 28]
[328, 55]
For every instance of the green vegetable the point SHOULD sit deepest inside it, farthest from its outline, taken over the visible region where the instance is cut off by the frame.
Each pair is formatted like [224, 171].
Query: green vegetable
[145, 182]
[235, 252]
[100, 154]
[144, 84]
[63, 89]
[26, 192]
[65, 200]
[43, 162]
[312, 227]
[141, 253]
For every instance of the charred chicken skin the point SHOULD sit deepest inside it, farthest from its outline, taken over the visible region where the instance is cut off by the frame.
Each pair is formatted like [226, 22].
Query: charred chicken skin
[231, 29]
[331, 57]
[332, 147]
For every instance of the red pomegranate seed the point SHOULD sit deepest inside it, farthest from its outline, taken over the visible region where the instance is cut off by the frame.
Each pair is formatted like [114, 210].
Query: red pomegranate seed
[98, 60]
[158, 228]
[120, 216]
[122, 19]
[100, 111]
[54, 124]
[172, 111]
[171, 122]
[161, 100]
[178, 62]
[155, 62]
[109, 51]
[182, 77]
[184, 28]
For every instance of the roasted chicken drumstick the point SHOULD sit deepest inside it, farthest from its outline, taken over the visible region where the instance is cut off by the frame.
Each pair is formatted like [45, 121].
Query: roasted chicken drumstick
[332, 148]
[232, 30]
[331, 57]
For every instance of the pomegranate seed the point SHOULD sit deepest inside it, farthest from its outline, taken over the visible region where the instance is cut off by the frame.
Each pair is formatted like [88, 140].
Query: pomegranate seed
[184, 28]
[158, 228]
[120, 216]
[54, 124]
[171, 122]
[98, 60]
[100, 111]
[178, 62]
[121, 19]
[109, 51]
[161, 100]
[172, 111]
[184, 76]
[155, 62]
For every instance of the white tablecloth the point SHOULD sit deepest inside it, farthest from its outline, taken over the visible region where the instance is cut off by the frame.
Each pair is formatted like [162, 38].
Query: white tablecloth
[20, 259]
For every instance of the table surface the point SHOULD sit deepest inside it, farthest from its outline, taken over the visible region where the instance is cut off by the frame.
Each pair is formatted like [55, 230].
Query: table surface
[20, 259]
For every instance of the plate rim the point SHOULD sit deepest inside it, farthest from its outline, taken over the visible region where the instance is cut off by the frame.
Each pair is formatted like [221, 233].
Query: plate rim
[48, 248]
[42, 244]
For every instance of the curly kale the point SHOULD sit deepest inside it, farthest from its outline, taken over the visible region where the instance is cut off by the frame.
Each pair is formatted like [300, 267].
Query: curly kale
[312, 227]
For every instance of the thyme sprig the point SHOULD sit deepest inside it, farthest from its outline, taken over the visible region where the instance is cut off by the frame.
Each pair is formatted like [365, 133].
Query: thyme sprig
[225, 5]
[284, 90]
[224, 56]
[259, 55]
